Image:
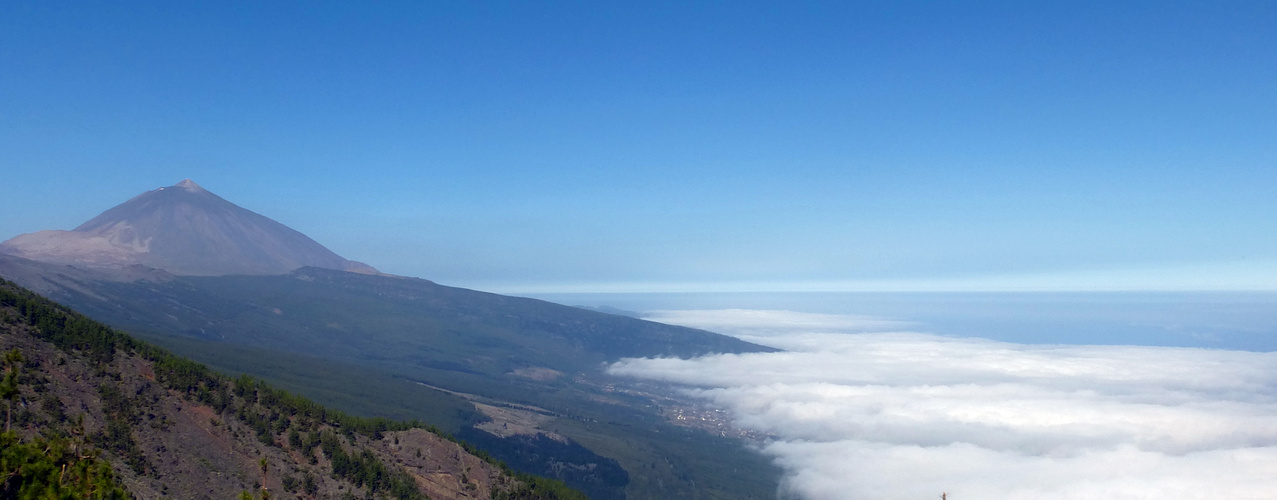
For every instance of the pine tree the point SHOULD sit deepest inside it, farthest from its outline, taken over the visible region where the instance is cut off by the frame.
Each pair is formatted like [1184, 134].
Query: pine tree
[9, 386]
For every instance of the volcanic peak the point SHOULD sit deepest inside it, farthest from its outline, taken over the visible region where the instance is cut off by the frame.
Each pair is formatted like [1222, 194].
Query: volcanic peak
[189, 185]
[183, 229]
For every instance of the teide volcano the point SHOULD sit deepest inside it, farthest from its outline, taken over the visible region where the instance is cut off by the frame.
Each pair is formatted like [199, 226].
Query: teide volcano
[185, 230]
[523, 377]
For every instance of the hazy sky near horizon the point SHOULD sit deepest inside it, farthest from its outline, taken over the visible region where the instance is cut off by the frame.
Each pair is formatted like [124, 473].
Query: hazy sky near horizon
[705, 145]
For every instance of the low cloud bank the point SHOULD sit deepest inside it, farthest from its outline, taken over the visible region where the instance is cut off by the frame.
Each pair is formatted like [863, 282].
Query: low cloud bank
[908, 415]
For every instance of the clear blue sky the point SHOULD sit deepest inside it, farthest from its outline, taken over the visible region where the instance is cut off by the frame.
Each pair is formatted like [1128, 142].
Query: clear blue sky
[638, 145]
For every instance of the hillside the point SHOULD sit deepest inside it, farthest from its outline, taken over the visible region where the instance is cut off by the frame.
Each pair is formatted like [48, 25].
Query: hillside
[191, 272]
[171, 428]
[385, 346]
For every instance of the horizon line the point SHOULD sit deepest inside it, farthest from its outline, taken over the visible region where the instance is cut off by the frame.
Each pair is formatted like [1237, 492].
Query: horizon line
[1253, 277]
[727, 287]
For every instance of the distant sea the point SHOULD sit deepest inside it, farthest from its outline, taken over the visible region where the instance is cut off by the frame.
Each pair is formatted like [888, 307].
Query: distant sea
[1220, 320]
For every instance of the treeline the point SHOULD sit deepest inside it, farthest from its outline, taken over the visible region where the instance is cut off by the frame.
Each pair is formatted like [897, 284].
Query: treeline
[272, 413]
[603, 478]
[59, 465]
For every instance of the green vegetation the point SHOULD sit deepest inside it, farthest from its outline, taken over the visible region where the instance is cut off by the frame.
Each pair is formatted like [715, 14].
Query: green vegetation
[539, 488]
[369, 338]
[333, 384]
[9, 386]
[363, 469]
[279, 418]
[54, 468]
[117, 437]
[401, 324]
[601, 478]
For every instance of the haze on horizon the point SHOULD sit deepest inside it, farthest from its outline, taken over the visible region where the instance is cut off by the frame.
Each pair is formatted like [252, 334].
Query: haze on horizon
[593, 147]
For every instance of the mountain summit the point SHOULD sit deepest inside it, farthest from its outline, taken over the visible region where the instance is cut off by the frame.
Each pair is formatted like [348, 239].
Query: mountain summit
[183, 229]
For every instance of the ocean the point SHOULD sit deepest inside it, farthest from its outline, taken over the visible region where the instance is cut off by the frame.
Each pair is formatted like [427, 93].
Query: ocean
[1219, 320]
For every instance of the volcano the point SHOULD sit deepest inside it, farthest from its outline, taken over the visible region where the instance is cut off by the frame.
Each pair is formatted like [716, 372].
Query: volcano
[183, 229]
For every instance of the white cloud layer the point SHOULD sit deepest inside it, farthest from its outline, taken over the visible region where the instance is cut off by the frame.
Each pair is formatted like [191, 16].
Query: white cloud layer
[755, 322]
[908, 416]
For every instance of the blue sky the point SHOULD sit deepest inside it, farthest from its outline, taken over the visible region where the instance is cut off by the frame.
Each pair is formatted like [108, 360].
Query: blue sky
[675, 146]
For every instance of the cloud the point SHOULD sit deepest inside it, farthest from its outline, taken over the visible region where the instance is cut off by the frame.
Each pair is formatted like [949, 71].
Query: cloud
[908, 415]
[753, 322]
[1239, 275]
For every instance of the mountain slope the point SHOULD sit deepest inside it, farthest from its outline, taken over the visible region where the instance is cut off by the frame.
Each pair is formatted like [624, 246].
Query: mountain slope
[378, 345]
[171, 428]
[183, 229]
[403, 322]
[366, 344]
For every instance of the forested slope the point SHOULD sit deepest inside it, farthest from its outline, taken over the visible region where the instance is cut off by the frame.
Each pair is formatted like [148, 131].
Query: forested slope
[93, 413]
[406, 348]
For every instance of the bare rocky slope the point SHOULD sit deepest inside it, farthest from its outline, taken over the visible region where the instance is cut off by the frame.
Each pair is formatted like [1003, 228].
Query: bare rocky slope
[185, 230]
[170, 428]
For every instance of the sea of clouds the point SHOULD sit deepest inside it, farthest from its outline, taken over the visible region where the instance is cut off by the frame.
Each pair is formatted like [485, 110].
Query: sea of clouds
[863, 408]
